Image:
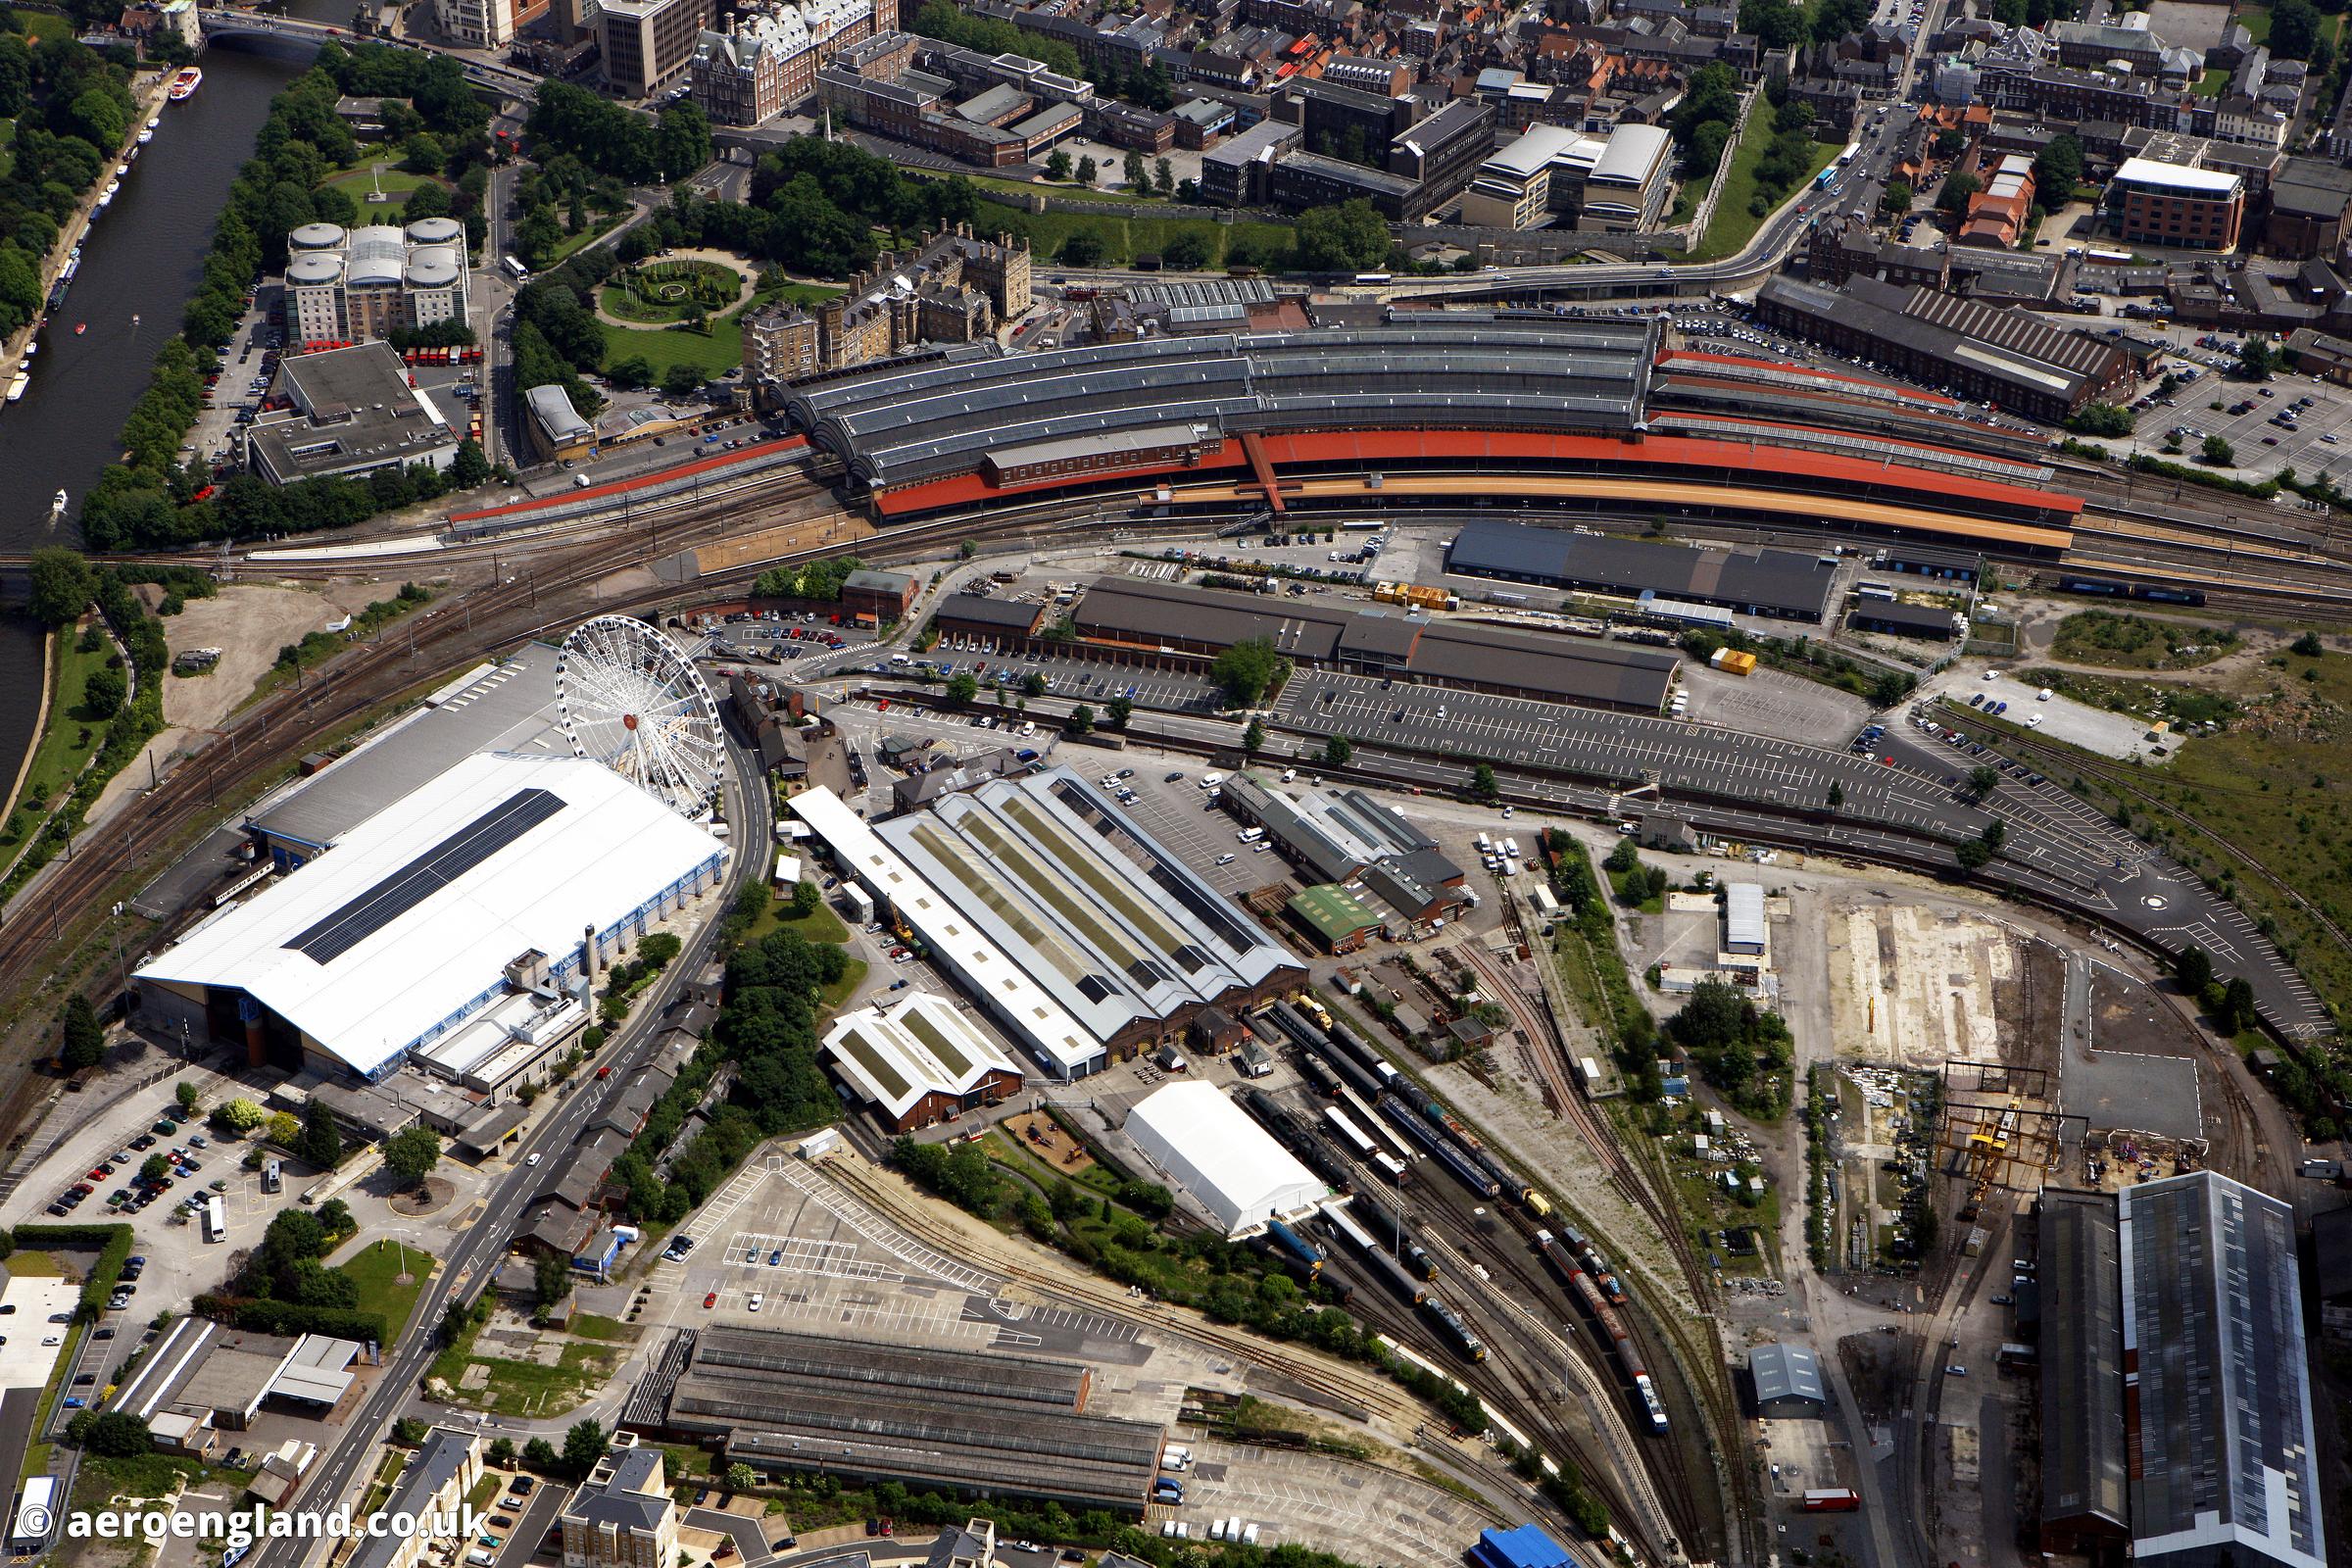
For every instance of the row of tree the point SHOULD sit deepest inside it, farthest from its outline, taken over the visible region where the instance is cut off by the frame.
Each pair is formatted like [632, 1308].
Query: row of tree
[73, 108]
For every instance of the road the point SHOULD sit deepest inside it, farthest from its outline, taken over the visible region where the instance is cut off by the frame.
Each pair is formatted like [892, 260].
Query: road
[463, 1273]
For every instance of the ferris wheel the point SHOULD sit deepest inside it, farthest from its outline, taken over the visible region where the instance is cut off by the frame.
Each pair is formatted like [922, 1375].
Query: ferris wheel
[628, 698]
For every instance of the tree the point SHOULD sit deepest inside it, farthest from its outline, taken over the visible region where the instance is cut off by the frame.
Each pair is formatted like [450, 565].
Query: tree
[281, 1129]
[412, 1154]
[551, 1281]
[118, 1434]
[584, 1446]
[1896, 200]
[322, 1140]
[1081, 721]
[1033, 684]
[103, 691]
[409, 1432]
[631, 373]
[2058, 169]
[1163, 172]
[681, 381]
[2256, 358]
[154, 1168]
[469, 468]
[1080, 247]
[962, 687]
[741, 1477]
[1974, 854]
[1087, 171]
[1133, 173]
[2309, 646]
[1245, 672]
[2192, 967]
[1837, 796]
[2101, 419]
[1995, 834]
[335, 1218]
[2217, 451]
[1981, 780]
[63, 584]
[804, 899]
[1116, 711]
[1348, 238]
[1254, 738]
[1058, 165]
[1958, 186]
[540, 1454]
[2238, 1012]
[1949, 142]
[1337, 750]
[1482, 782]
[681, 141]
[2294, 27]
[83, 1040]
[500, 1454]
[188, 1098]
[428, 200]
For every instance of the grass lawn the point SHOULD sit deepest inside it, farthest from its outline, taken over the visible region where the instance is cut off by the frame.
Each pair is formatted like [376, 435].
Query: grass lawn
[526, 1388]
[822, 926]
[479, 1500]
[2216, 79]
[377, 1271]
[42, 25]
[2256, 20]
[713, 353]
[1125, 238]
[598, 228]
[589, 1326]
[2134, 642]
[1022, 187]
[35, 1265]
[67, 740]
[7, 133]
[361, 180]
[1732, 225]
[803, 294]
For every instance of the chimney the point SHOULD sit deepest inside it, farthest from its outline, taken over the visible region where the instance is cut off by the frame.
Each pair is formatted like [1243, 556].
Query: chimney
[588, 953]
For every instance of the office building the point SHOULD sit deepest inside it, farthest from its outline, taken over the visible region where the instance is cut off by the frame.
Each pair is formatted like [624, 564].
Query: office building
[2175, 206]
[765, 61]
[362, 284]
[353, 413]
[649, 43]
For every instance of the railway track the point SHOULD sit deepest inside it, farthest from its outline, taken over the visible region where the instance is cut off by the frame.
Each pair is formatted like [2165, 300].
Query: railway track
[1710, 1398]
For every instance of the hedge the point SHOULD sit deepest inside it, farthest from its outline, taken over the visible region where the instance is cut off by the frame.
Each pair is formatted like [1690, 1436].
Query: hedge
[114, 1244]
[261, 1315]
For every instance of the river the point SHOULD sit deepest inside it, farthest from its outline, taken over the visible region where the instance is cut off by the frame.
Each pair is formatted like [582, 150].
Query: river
[142, 257]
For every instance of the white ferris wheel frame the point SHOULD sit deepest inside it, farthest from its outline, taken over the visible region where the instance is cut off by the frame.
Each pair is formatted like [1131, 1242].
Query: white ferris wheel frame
[630, 698]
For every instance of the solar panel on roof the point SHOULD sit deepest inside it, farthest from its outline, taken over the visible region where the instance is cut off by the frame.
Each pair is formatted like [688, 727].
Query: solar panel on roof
[454, 856]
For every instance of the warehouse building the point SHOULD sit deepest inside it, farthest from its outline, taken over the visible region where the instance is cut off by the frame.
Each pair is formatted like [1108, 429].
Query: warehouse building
[1970, 349]
[1338, 920]
[1787, 1382]
[972, 1422]
[1026, 1009]
[1744, 931]
[1089, 909]
[502, 875]
[2217, 1398]
[2085, 1467]
[352, 411]
[918, 1061]
[1168, 626]
[1782, 584]
[1897, 619]
[1206, 1146]
[1342, 836]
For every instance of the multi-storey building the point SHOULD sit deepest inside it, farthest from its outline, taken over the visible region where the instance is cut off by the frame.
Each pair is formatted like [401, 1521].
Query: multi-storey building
[780, 343]
[486, 24]
[2175, 205]
[623, 1516]
[649, 43]
[954, 290]
[762, 65]
[363, 284]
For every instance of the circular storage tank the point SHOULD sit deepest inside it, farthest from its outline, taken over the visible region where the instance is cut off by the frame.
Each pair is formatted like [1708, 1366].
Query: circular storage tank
[315, 237]
[433, 266]
[435, 231]
[312, 271]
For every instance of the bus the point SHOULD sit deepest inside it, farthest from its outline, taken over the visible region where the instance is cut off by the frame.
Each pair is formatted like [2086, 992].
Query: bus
[1832, 1499]
[272, 1176]
[515, 269]
[216, 1219]
[1821, 181]
[1357, 524]
[1846, 157]
[1370, 280]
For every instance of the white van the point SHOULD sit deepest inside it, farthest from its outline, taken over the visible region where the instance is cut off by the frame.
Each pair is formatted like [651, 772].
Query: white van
[1210, 782]
[1248, 1534]
[1250, 835]
[1510, 846]
[1483, 847]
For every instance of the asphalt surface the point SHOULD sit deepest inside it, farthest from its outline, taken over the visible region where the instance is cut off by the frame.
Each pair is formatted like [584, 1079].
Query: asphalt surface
[469, 1269]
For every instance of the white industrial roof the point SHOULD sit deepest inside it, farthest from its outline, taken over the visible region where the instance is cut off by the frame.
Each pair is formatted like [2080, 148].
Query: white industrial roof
[1744, 917]
[894, 1056]
[1634, 153]
[593, 849]
[2180, 177]
[1206, 1145]
[1017, 1000]
[1533, 150]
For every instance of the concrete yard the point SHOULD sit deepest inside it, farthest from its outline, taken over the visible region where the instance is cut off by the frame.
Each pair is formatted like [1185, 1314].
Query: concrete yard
[1913, 987]
[2118, 735]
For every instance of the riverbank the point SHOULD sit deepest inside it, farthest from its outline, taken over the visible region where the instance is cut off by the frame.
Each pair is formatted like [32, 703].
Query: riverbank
[41, 724]
[149, 93]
